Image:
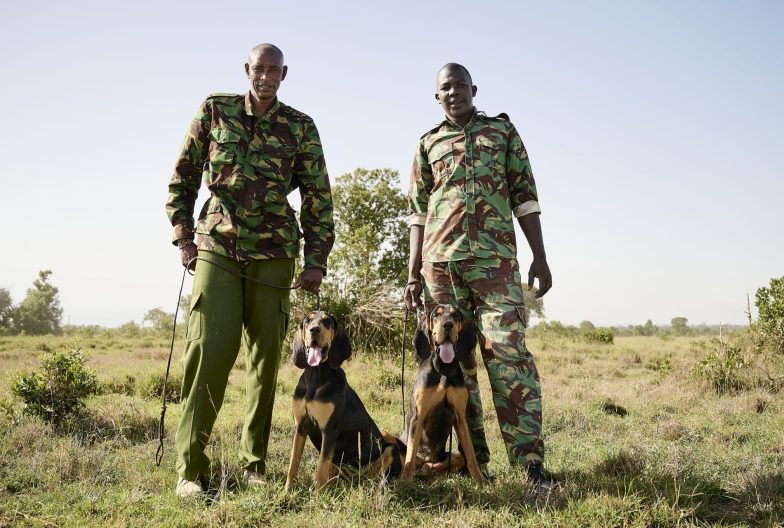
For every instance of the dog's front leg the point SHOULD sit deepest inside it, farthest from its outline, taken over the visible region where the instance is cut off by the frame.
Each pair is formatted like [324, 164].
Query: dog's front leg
[415, 428]
[464, 437]
[296, 455]
[329, 439]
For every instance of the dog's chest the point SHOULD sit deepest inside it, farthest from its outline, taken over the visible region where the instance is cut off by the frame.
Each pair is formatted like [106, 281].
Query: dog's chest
[318, 411]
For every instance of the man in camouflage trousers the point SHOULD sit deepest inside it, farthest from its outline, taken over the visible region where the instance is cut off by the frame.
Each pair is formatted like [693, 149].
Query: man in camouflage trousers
[470, 176]
[251, 151]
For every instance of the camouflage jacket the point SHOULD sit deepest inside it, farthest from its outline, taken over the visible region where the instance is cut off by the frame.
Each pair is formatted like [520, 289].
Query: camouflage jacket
[466, 184]
[250, 164]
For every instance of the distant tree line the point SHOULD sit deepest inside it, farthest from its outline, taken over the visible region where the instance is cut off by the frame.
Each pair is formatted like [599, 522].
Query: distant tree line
[679, 326]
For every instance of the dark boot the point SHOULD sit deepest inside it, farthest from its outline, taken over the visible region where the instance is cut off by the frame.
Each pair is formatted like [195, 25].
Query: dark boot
[538, 478]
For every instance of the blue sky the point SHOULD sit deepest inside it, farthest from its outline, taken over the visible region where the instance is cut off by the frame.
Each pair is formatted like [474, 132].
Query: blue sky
[654, 130]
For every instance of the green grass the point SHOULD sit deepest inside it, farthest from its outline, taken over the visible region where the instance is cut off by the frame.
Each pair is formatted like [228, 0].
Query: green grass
[632, 438]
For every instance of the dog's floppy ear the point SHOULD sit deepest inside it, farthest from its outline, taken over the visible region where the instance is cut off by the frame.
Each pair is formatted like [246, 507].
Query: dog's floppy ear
[466, 341]
[298, 355]
[421, 340]
[340, 348]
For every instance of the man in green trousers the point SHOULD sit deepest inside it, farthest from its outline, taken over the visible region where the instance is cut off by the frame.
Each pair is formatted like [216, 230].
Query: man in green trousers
[251, 150]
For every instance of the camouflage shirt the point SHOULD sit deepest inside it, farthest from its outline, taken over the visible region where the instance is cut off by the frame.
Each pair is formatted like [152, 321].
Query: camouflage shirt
[466, 184]
[250, 164]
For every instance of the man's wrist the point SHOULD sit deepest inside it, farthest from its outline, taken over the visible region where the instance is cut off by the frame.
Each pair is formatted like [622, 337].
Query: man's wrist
[322, 270]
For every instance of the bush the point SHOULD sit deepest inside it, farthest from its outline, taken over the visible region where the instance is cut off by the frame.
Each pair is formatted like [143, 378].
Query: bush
[724, 367]
[59, 390]
[600, 335]
[151, 387]
[770, 304]
[555, 329]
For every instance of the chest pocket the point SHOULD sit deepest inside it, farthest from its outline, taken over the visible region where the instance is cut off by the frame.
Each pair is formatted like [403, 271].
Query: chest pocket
[442, 160]
[224, 145]
[273, 158]
[491, 152]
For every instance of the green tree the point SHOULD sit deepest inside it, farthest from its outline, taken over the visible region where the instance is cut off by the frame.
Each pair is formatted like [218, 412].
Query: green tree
[40, 311]
[586, 326]
[161, 321]
[6, 312]
[185, 307]
[532, 304]
[679, 326]
[370, 230]
[770, 304]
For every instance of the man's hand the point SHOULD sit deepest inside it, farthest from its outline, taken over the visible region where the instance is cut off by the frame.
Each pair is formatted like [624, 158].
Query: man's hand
[310, 279]
[188, 252]
[413, 295]
[540, 270]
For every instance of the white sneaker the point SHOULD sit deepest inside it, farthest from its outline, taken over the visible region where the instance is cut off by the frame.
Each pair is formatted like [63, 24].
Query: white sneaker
[253, 478]
[188, 489]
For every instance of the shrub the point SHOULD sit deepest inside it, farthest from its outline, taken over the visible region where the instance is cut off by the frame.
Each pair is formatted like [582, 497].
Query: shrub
[724, 366]
[600, 335]
[770, 304]
[151, 387]
[59, 389]
[555, 329]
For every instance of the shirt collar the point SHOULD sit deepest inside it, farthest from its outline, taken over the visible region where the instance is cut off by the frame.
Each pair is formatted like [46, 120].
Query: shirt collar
[271, 111]
[476, 113]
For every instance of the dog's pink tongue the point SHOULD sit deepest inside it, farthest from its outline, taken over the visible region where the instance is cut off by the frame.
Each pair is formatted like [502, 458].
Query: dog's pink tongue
[446, 352]
[314, 356]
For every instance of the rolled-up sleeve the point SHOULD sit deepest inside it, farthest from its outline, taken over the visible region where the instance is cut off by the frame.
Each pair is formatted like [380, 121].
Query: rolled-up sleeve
[520, 178]
[315, 215]
[420, 186]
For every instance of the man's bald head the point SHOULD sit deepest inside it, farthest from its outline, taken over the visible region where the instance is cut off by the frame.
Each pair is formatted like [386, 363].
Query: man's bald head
[265, 49]
[265, 70]
[453, 66]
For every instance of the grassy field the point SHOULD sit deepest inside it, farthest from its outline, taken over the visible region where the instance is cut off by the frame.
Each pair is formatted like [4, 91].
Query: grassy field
[631, 438]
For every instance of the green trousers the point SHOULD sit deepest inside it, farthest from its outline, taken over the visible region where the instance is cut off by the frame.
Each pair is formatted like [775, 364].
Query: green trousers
[227, 311]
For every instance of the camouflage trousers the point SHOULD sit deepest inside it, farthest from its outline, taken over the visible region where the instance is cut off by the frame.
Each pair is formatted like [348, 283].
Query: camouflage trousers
[488, 292]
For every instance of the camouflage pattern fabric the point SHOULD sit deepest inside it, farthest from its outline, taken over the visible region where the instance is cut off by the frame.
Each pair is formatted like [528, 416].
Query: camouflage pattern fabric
[250, 164]
[466, 185]
[488, 292]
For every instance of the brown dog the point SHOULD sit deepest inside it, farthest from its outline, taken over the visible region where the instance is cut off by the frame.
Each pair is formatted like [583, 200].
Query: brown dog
[439, 397]
[329, 412]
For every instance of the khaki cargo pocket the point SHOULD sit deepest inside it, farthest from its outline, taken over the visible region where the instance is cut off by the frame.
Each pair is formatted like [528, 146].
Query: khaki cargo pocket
[195, 319]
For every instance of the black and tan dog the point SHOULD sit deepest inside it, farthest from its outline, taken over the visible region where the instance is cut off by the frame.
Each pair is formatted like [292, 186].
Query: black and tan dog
[439, 397]
[327, 409]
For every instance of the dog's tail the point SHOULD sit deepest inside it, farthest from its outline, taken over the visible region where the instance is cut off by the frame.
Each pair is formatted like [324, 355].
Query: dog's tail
[397, 450]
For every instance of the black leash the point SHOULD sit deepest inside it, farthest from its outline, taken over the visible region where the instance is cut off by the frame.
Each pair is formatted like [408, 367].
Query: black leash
[159, 452]
[403, 367]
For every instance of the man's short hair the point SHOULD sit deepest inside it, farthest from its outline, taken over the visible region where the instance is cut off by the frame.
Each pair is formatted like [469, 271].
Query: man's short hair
[456, 66]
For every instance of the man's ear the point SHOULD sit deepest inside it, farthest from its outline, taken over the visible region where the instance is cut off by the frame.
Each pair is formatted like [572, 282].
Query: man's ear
[421, 340]
[298, 355]
[285, 71]
[466, 341]
[340, 348]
